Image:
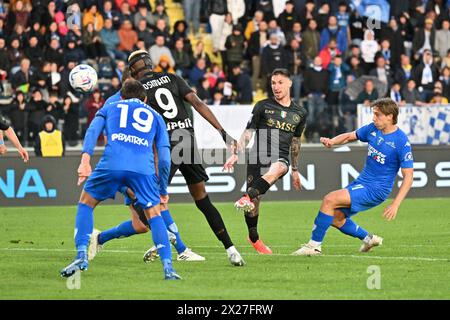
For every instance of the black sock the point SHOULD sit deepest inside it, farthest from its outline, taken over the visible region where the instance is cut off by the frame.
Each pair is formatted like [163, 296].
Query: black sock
[214, 220]
[252, 225]
[141, 215]
[259, 187]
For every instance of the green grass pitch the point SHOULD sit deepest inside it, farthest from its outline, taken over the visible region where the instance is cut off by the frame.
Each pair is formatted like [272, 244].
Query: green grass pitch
[414, 262]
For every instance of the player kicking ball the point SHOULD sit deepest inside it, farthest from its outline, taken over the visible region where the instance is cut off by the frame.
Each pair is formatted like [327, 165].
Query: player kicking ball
[388, 150]
[132, 128]
[278, 123]
[138, 223]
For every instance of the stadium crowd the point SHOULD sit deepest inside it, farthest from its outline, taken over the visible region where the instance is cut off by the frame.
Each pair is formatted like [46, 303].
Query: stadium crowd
[326, 46]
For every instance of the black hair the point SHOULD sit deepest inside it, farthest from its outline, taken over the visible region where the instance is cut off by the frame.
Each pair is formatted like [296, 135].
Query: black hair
[132, 89]
[281, 71]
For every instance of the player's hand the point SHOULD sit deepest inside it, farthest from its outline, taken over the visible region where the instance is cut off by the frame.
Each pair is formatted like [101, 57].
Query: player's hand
[228, 166]
[84, 171]
[164, 199]
[390, 212]
[24, 154]
[3, 149]
[296, 180]
[326, 142]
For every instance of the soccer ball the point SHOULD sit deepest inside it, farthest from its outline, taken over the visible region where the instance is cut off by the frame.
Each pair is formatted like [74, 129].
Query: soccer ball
[83, 78]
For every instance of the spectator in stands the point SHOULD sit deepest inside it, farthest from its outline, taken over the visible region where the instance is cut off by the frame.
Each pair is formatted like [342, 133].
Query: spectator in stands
[343, 16]
[404, 71]
[50, 141]
[424, 39]
[18, 15]
[197, 72]
[368, 95]
[237, 9]
[386, 52]
[93, 43]
[307, 12]
[19, 32]
[182, 58]
[159, 49]
[110, 40]
[316, 88]
[273, 28]
[253, 25]
[288, 17]
[273, 56]
[180, 31]
[267, 8]
[53, 106]
[94, 17]
[22, 78]
[200, 53]
[54, 53]
[4, 60]
[425, 74]
[393, 34]
[192, 14]
[73, 52]
[70, 115]
[115, 86]
[442, 40]
[411, 95]
[329, 52]
[438, 99]
[36, 110]
[127, 37]
[334, 31]
[242, 84]
[296, 62]
[395, 93]
[159, 13]
[15, 54]
[258, 40]
[355, 67]
[348, 107]
[204, 91]
[162, 29]
[131, 3]
[164, 65]
[109, 12]
[120, 68]
[76, 35]
[337, 80]
[125, 12]
[17, 115]
[294, 33]
[93, 104]
[445, 80]
[235, 46]
[227, 30]
[369, 48]
[218, 98]
[382, 71]
[144, 34]
[217, 10]
[311, 41]
[215, 75]
[323, 15]
[142, 15]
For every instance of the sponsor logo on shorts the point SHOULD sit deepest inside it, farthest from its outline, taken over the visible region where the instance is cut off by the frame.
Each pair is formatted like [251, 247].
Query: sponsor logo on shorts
[129, 139]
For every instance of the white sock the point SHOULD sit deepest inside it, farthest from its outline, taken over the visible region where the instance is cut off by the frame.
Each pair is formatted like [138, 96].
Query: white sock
[367, 238]
[231, 250]
[314, 243]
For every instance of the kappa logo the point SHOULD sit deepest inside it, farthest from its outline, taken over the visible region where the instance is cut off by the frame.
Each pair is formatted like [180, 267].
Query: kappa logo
[373, 134]
[407, 144]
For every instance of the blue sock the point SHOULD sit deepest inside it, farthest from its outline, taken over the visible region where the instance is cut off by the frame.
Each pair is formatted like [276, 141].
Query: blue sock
[123, 230]
[321, 225]
[172, 227]
[161, 240]
[84, 224]
[352, 229]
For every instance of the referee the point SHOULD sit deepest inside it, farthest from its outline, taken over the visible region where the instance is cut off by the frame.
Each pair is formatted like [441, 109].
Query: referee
[4, 126]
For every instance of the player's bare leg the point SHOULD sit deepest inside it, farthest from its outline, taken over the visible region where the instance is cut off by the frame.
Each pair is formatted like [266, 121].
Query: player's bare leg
[84, 225]
[215, 221]
[335, 199]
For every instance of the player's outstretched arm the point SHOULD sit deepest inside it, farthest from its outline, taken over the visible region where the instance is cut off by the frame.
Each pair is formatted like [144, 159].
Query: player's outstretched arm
[3, 149]
[206, 113]
[295, 157]
[339, 140]
[15, 141]
[391, 211]
[240, 146]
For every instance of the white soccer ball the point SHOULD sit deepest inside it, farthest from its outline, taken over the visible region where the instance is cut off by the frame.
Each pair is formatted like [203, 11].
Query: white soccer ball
[83, 78]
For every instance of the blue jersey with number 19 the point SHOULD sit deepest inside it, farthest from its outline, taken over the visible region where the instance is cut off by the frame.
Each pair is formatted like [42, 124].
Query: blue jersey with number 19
[131, 127]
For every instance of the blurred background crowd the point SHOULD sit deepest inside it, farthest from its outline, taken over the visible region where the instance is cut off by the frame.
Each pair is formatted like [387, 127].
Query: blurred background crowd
[338, 56]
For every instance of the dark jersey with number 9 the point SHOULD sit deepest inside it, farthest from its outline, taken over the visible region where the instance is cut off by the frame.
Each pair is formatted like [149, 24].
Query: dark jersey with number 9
[165, 94]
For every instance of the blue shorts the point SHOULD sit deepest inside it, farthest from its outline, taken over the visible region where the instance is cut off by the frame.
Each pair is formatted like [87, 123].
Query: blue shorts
[104, 184]
[363, 197]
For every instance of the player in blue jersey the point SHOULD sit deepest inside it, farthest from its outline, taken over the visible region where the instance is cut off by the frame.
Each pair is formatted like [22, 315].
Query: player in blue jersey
[138, 223]
[388, 151]
[133, 129]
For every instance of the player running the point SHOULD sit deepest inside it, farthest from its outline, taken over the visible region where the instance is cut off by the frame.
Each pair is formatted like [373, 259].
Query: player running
[167, 93]
[138, 223]
[279, 123]
[388, 150]
[132, 127]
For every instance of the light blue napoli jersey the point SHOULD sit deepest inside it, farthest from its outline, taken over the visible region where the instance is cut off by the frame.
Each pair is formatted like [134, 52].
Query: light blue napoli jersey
[387, 153]
[131, 127]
